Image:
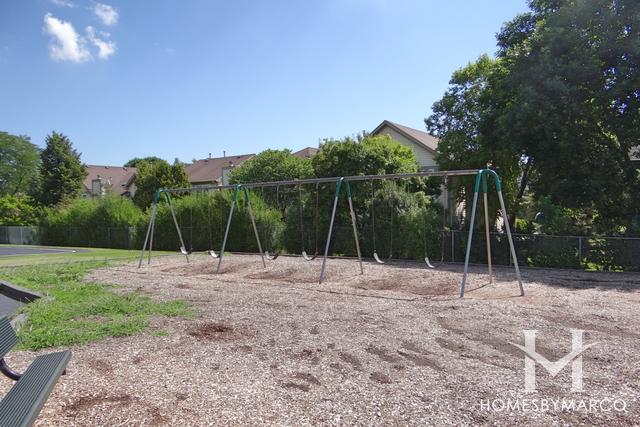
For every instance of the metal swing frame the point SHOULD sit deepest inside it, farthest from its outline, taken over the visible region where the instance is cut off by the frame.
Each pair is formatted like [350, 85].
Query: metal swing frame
[480, 185]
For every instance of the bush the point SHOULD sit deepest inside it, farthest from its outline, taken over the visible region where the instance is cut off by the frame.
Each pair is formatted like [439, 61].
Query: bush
[202, 220]
[103, 222]
[18, 210]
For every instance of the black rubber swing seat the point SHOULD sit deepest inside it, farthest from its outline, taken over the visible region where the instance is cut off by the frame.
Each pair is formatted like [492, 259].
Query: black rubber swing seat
[377, 258]
[270, 256]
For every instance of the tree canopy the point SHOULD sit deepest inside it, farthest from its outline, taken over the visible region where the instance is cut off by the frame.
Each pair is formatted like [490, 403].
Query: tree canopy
[19, 162]
[272, 165]
[557, 110]
[154, 175]
[61, 171]
[133, 163]
[368, 155]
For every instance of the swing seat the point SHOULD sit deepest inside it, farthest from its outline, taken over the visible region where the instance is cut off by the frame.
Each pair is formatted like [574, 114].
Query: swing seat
[307, 257]
[213, 253]
[184, 251]
[271, 257]
[377, 258]
[426, 259]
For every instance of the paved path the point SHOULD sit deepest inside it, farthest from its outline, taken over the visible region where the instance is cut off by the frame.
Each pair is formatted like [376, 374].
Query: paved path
[8, 305]
[34, 250]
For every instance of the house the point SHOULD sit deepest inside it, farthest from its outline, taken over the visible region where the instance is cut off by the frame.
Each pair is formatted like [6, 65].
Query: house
[101, 180]
[214, 170]
[423, 144]
[306, 153]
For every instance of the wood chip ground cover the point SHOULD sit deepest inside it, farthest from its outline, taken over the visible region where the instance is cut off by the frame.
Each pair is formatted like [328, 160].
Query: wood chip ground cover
[394, 346]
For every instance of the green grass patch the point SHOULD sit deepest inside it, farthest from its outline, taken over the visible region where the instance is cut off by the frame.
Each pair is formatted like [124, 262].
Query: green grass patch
[83, 255]
[81, 311]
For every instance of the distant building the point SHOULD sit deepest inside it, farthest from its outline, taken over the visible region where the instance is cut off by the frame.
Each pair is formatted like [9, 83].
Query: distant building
[214, 170]
[101, 180]
[306, 153]
[423, 144]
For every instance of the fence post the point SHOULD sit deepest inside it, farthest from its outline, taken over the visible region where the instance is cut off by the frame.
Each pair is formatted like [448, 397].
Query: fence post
[580, 251]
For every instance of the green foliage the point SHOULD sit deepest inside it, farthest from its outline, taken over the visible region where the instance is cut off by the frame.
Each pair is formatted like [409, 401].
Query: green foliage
[81, 312]
[61, 171]
[100, 222]
[272, 165]
[152, 176]
[573, 80]
[19, 161]
[202, 220]
[18, 210]
[135, 162]
[369, 156]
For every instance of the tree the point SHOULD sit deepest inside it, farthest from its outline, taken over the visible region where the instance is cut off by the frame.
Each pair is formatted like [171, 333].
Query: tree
[464, 120]
[272, 165]
[19, 162]
[133, 163]
[574, 79]
[369, 155]
[18, 209]
[158, 174]
[61, 171]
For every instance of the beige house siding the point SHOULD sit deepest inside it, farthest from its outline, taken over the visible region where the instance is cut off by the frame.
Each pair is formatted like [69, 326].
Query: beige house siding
[425, 157]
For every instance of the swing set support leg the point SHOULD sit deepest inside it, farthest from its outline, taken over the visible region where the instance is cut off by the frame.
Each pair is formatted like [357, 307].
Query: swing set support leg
[486, 226]
[480, 177]
[255, 228]
[353, 225]
[333, 217]
[175, 222]
[153, 231]
[226, 231]
[146, 238]
[470, 237]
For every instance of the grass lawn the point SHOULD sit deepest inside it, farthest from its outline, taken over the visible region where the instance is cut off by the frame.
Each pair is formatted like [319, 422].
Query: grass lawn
[84, 254]
[79, 311]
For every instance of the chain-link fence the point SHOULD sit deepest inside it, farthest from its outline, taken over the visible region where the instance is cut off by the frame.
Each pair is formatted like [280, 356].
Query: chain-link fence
[535, 250]
[99, 237]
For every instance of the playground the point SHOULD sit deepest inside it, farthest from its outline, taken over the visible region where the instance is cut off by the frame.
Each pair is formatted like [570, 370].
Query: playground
[393, 345]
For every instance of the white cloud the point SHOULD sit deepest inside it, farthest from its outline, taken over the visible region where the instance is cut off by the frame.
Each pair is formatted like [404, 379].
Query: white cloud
[66, 44]
[64, 3]
[107, 14]
[106, 47]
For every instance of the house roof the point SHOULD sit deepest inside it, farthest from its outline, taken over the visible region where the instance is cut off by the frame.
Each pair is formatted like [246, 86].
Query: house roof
[210, 169]
[421, 138]
[117, 176]
[306, 152]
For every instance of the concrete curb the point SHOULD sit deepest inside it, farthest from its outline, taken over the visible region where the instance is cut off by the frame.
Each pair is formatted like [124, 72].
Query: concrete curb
[17, 293]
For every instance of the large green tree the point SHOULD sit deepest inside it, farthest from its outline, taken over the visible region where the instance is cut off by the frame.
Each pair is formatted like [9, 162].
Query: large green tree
[19, 161]
[272, 165]
[154, 175]
[61, 171]
[133, 163]
[367, 155]
[574, 79]
[557, 111]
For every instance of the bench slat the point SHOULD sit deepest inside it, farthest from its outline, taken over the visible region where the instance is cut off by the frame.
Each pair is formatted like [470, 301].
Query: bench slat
[8, 338]
[21, 406]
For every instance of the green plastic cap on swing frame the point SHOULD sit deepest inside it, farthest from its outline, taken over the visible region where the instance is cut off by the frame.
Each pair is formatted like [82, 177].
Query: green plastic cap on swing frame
[234, 197]
[338, 186]
[156, 195]
[496, 178]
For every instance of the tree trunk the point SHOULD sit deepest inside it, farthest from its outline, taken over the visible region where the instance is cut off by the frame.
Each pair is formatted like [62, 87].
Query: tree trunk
[523, 186]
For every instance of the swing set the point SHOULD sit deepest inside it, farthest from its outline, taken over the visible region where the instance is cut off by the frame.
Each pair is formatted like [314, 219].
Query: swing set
[481, 185]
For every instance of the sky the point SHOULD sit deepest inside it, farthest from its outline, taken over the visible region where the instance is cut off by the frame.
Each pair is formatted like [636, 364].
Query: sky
[183, 79]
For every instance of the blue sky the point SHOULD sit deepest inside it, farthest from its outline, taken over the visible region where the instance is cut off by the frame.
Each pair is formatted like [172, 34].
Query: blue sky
[186, 78]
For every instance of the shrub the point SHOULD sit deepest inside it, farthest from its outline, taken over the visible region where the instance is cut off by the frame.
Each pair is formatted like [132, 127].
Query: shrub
[102, 222]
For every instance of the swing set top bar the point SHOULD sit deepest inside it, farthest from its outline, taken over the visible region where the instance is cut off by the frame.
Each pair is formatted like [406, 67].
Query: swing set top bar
[394, 176]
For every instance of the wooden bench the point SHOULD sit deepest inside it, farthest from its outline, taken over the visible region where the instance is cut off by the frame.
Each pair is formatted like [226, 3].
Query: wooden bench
[22, 404]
